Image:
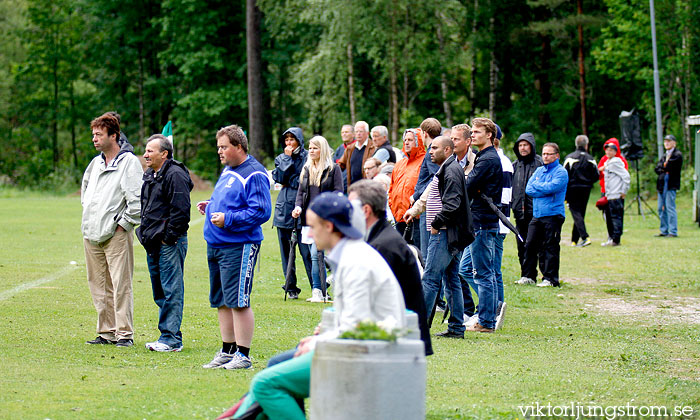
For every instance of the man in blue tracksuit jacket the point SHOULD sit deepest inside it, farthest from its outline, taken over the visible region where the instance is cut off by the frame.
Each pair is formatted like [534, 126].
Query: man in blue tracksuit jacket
[547, 187]
[238, 207]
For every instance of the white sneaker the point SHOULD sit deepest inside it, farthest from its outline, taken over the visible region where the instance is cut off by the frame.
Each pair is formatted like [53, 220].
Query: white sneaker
[607, 243]
[472, 320]
[500, 316]
[162, 347]
[317, 297]
[239, 361]
[546, 283]
[525, 281]
[219, 360]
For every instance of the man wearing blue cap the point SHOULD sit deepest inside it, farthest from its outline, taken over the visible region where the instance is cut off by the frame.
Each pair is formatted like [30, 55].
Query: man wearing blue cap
[365, 289]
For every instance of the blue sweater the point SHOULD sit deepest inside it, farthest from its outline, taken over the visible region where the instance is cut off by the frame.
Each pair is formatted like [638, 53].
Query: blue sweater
[547, 187]
[243, 195]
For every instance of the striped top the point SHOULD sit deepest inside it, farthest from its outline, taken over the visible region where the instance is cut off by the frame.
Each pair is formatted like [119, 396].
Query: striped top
[433, 205]
[507, 192]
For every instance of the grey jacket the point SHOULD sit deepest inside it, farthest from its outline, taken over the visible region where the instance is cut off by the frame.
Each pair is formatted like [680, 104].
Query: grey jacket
[617, 179]
[110, 196]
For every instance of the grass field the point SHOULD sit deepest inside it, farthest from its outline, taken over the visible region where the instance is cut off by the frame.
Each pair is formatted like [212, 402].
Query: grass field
[623, 330]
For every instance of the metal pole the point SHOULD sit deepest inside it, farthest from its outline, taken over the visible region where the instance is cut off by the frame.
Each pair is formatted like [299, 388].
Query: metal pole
[657, 93]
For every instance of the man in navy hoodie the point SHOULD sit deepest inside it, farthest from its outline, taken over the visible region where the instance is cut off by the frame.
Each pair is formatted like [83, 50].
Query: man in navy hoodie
[238, 207]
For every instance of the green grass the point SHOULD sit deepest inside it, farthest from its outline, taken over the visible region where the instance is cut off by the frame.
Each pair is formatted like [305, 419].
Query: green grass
[625, 327]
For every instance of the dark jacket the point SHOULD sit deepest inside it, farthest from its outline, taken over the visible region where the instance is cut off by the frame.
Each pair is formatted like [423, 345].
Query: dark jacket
[286, 172]
[582, 169]
[387, 146]
[331, 180]
[485, 178]
[455, 215]
[672, 168]
[523, 168]
[389, 243]
[165, 205]
[427, 170]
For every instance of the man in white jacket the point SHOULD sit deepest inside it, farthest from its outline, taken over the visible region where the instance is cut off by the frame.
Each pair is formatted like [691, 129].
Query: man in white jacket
[110, 195]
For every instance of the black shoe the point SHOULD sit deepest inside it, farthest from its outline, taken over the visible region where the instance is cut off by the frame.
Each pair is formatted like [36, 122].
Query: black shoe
[100, 340]
[450, 334]
[292, 295]
[125, 342]
[660, 235]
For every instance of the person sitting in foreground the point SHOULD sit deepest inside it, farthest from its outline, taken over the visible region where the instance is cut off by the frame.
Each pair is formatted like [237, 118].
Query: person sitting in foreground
[366, 289]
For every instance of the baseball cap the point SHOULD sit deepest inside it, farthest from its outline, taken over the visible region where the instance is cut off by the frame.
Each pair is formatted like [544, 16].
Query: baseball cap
[336, 208]
[499, 133]
[670, 137]
[611, 146]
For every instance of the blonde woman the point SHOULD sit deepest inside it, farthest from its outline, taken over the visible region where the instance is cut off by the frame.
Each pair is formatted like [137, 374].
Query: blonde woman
[319, 174]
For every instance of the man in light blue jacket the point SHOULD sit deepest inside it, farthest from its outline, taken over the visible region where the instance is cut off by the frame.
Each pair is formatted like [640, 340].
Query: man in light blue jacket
[547, 187]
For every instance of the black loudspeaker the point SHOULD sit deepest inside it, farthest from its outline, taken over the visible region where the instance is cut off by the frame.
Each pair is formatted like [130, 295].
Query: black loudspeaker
[632, 146]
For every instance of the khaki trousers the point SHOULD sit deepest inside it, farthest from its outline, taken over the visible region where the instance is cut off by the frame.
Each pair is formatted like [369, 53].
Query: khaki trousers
[110, 269]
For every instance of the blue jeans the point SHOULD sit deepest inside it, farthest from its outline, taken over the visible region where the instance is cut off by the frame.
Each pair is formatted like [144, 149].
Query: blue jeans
[667, 211]
[441, 264]
[466, 278]
[315, 267]
[497, 267]
[483, 251]
[166, 269]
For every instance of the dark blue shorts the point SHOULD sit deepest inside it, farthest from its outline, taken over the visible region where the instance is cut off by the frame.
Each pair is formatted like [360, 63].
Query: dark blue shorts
[231, 275]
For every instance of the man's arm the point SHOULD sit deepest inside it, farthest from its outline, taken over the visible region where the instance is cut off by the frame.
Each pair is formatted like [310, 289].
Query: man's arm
[423, 179]
[540, 188]
[382, 155]
[259, 205]
[130, 184]
[179, 194]
[343, 161]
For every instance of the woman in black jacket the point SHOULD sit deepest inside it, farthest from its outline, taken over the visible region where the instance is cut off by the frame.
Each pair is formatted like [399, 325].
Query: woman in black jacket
[320, 174]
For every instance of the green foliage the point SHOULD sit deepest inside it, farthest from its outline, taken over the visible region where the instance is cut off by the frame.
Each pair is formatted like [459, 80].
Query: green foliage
[369, 330]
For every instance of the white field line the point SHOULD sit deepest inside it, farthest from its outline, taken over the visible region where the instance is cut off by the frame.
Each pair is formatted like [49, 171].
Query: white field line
[25, 286]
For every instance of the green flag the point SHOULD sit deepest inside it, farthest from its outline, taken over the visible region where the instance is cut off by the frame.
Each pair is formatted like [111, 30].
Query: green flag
[168, 131]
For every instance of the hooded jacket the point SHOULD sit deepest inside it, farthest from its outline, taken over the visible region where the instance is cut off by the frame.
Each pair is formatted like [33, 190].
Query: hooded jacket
[547, 186]
[165, 205]
[617, 179]
[110, 195]
[582, 169]
[404, 178]
[604, 159]
[523, 168]
[286, 172]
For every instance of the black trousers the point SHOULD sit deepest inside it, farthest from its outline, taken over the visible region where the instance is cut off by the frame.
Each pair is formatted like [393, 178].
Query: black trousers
[522, 226]
[543, 237]
[578, 201]
[614, 218]
[284, 237]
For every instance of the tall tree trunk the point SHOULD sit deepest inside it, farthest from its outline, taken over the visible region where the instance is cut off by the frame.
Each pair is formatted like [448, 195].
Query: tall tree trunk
[493, 69]
[394, 91]
[581, 71]
[351, 86]
[54, 117]
[256, 121]
[443, 75]
[472, 70]
[72, 125]
[686, 71]
[142, 131]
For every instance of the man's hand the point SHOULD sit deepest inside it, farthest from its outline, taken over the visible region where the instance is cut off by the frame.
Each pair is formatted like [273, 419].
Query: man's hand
[304, 346]
[407, 217]
[296, 212]
[202, 206]
[434, 231]
[218, 219]
[622, 196]
[288, 150]
[411, 199]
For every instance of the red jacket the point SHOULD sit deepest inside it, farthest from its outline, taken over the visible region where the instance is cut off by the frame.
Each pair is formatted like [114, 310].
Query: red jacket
[404, 178]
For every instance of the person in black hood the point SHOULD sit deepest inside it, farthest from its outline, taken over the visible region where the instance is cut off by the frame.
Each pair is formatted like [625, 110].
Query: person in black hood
[287, 170]
[165, 218]
[527, 161]
[583, 173]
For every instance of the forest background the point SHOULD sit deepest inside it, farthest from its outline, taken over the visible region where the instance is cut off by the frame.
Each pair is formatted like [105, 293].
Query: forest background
[552, 67]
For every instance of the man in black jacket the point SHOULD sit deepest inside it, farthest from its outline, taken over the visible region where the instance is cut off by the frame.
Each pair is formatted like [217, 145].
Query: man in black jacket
[391, 245]
[485, 180]
[165, 217]
[668, 182]
[449, 219]
[583, 173]
[527, 161]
